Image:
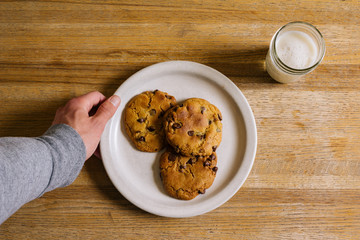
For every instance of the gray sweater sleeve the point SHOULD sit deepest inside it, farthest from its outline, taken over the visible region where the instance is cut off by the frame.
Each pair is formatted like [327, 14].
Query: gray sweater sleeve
[29, 167]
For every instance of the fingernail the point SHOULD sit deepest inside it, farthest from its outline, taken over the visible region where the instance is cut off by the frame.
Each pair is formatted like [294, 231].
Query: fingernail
[115, 100]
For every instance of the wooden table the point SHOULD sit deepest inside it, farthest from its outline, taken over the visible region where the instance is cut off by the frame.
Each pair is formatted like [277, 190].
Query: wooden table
[305, 182]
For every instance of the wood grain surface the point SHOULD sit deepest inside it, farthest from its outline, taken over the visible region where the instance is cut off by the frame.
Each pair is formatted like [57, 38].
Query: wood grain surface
[305, 182]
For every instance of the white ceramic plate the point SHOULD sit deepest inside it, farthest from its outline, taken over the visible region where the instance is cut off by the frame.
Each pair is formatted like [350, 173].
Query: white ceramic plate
[136, 174]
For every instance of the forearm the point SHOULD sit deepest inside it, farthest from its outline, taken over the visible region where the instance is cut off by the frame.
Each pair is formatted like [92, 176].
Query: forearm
[30, 167]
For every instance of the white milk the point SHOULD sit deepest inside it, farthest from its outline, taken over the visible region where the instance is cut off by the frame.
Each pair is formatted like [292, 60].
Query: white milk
[296, 49]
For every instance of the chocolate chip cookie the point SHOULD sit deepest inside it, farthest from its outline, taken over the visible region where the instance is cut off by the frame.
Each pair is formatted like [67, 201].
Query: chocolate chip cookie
[194, 127]
[186, 177]
[144, 117]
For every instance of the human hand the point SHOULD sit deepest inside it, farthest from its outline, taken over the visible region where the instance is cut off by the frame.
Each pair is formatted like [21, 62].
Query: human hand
[76, 114]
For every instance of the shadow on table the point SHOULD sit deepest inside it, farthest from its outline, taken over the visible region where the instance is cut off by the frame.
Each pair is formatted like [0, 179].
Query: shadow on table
[95, 168]
[30, 122]
[246, 66]
[241, 65]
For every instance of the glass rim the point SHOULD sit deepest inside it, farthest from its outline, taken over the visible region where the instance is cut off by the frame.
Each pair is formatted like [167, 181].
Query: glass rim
[299, 70]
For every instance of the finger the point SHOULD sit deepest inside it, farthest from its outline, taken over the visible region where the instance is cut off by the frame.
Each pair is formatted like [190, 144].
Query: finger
[91, 99]
[107, 109]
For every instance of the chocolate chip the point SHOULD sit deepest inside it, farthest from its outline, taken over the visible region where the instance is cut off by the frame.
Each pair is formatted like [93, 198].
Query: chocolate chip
[151, 129]
[156, 90]
[191, 133]
[207, 163]
[212, 157]
[141, 139]
[168, 97]
[191, 161]
[141, 120]
[161, 114]
[202, 110]
[215, 169]
[172, 157]
[181, 105]
[202, 191]
[152, 112]
[210, 122]
[214, 148]
[176, 125]
[219, 116]
[182, 168]
[177, 149]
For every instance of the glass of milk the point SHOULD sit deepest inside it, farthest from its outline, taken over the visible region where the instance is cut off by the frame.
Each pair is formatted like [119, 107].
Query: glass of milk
[295, 50]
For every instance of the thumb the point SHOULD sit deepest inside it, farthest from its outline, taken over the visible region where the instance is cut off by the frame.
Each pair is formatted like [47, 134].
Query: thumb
[107, 109]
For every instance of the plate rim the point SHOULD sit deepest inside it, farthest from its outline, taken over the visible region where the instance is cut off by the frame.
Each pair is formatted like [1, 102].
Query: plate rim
[249, 124]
